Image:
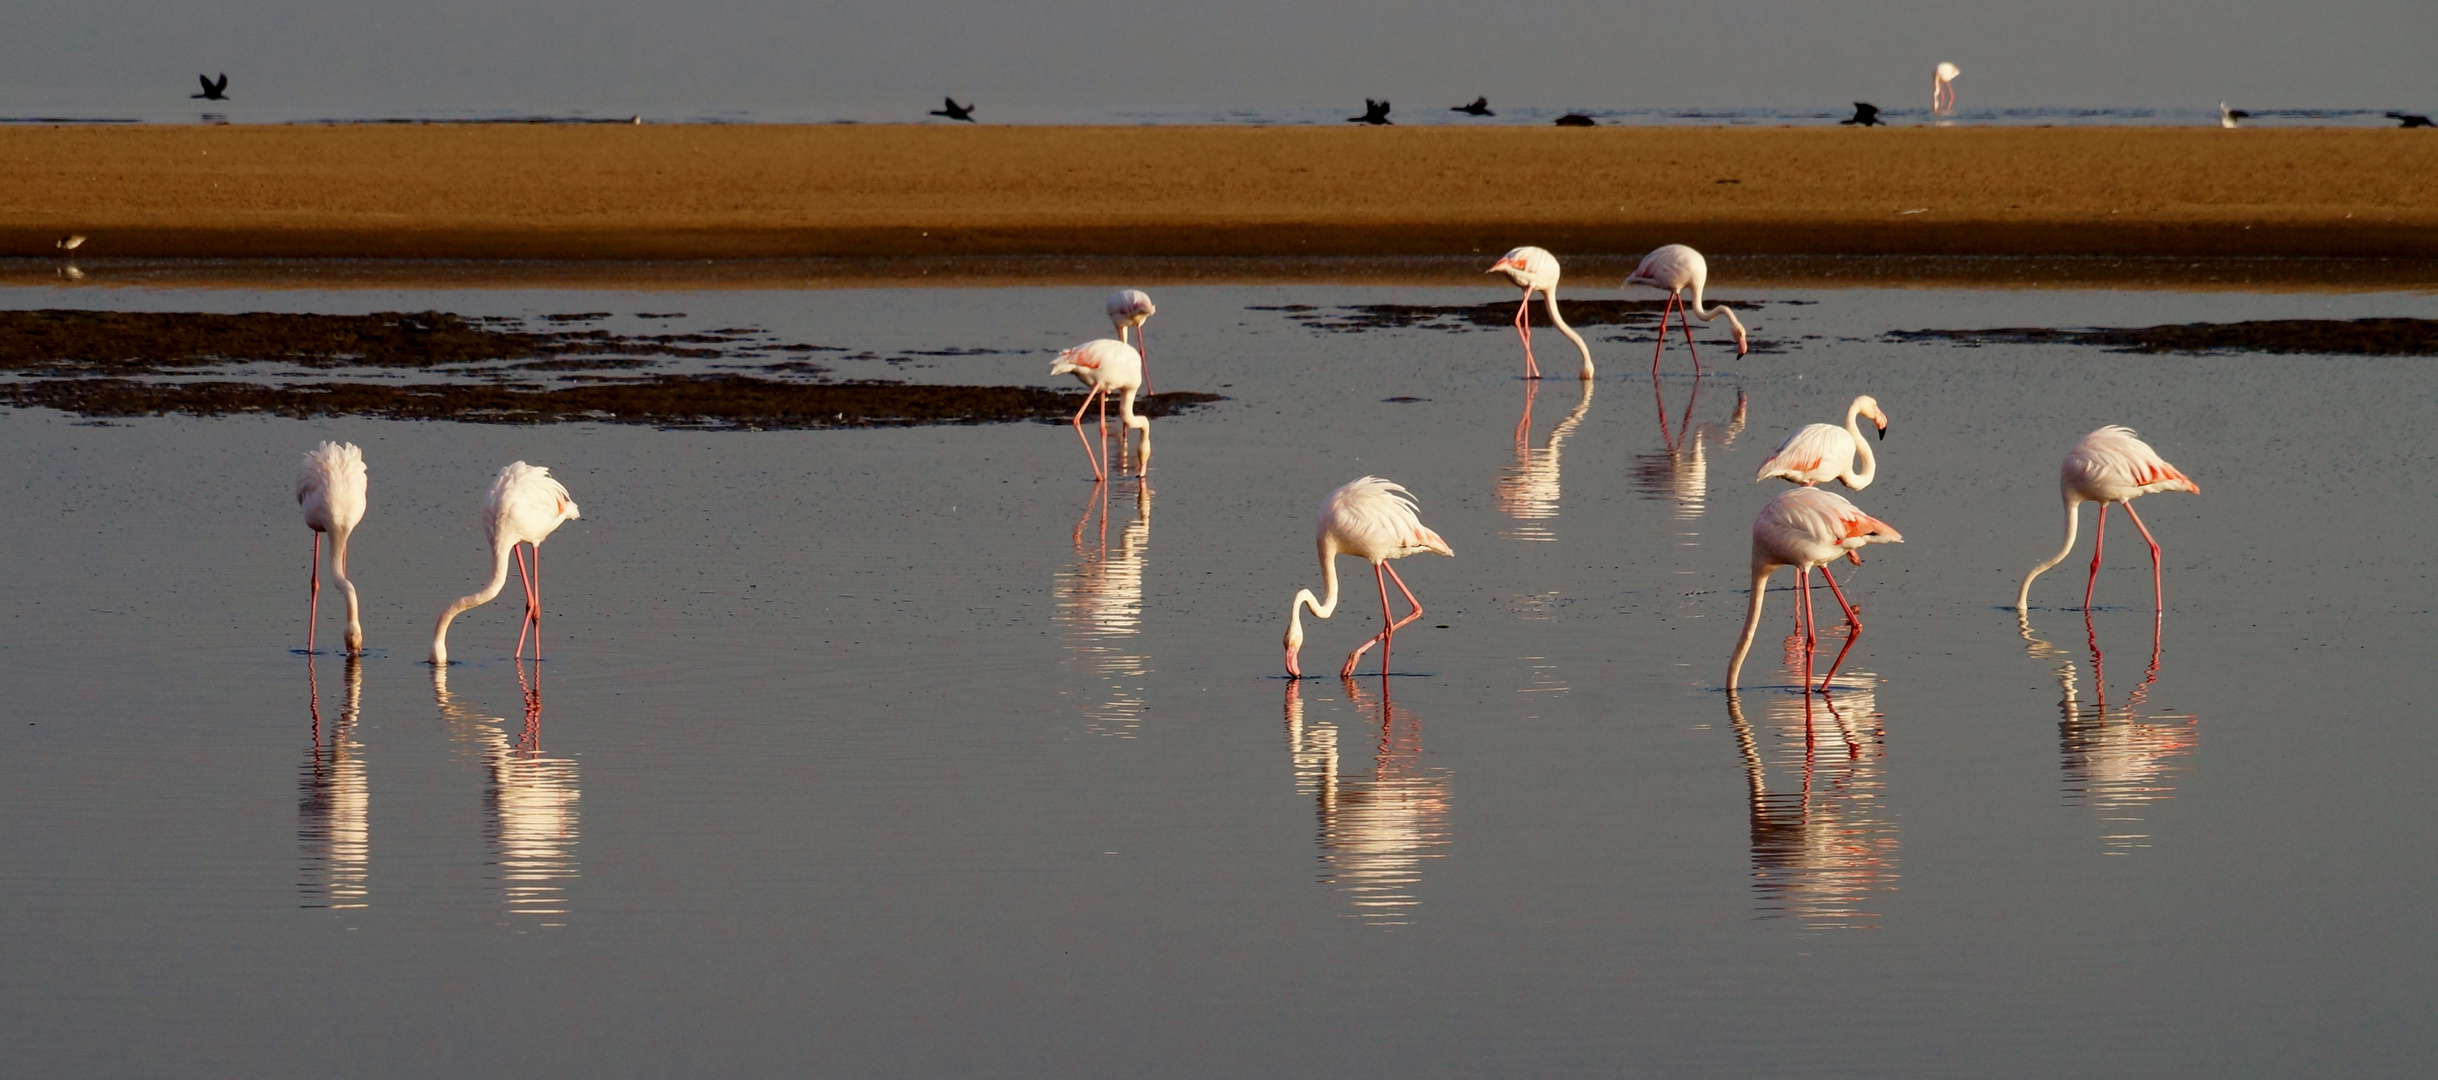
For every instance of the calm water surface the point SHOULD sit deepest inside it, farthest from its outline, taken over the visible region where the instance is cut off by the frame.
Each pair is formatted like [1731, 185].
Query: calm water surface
[913, 752]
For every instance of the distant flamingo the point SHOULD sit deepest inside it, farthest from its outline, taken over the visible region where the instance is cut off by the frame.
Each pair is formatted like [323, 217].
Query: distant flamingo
[1108, 367]
[2109, 465]
[1805, 528]
[1531, 268]
[1820, 453]
[525, 505]
[1373, 519]
[1133, 308]
[1942, 88]
[330, 487]
[1675, 268]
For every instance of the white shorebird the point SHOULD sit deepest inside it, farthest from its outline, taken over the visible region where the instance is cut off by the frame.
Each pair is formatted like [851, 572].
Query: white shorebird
[1532, 268]
[1942, 88]
[524, 506]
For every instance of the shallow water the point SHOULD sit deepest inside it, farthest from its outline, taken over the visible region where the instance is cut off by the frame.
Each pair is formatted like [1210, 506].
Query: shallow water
[859, 752]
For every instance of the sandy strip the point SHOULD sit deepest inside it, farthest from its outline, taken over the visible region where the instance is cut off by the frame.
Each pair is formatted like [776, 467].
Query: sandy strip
[929, 192]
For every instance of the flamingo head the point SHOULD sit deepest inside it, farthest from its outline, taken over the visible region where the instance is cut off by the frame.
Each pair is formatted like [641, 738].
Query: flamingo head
[1295, 644]
[1870, 408]
[1742, 344]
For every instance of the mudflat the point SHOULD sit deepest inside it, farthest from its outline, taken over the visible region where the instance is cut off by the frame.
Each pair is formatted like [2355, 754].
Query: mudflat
[519, 191]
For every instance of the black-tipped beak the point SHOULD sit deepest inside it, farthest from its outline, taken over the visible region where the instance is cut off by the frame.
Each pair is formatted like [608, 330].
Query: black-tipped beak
[1883, 432]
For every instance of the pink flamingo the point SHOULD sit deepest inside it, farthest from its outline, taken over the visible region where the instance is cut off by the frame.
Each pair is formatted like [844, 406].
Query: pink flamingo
[330, 488]
[1108, 367]
[524, 506]
[1373, 519]
[1942, 89]
[1820, 453]
[1675, 268]
[2109, 465]
[1804, 528]
[1132, 308]
[1531, 268]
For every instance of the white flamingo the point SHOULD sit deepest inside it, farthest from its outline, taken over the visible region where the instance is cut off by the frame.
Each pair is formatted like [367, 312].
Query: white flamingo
[330, 487]
[2109, 465]
[1804, 528]
[1108, 368]
[1372, 519]
[525, 505]
[1130, 309]
[1532, 268]
[1942, 88]
[1820, 453]
[1674, 269]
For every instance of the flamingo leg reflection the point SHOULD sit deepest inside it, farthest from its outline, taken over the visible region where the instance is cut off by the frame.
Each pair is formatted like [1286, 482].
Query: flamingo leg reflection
[1685, 320]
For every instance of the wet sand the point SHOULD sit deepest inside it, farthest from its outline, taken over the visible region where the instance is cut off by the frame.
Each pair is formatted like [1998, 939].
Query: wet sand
[921, 192]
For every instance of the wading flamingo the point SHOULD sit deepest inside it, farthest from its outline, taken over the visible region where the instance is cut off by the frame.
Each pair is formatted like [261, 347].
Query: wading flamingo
[1108, 367]
[2109, 465]
[1675, 268]
[1532, 268]
[1942, 88]
[523, 507]
[1373, 519]
[1133, 308]
[330, 487]
[1805, 528]
[1820, 453]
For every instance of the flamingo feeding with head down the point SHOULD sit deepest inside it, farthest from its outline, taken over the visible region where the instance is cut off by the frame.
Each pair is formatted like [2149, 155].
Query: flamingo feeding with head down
[1108, 368]
[330, 487]
[525, 505]
[1131, 308]
[1373, 519]
[1820, 453]
[1532, 268]
[1942, 88]
[1675, 268]
[1806, 528]
[2109, 465]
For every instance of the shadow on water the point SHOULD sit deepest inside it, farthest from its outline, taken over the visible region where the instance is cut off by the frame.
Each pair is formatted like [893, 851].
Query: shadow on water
[529, 806]
[334, 801]
[1528, 490]
[1680, 471]
[1100, 603]
[1824, 842]
[2117, 759]
[1375, 832]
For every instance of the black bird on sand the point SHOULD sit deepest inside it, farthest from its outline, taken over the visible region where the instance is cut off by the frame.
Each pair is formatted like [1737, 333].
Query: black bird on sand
[1576, 119]
[1479, 107]
[1865, 114]
[213, 91]
[955, 111]
[1374, 112]
[2411, 119]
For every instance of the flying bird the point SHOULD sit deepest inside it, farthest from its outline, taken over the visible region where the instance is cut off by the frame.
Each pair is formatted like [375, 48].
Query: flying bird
[1820, 453]
[1532, 268]
[1866, 115]
[955, 111]
[1806, 528]
[1372, 519]
[1479, 107]
[525, 505]
[1133, 308]
[1576, 119]
[213, 91]
[1676, 268]
[2109, 465]
[330, 488]
[2227, 117]
[1942, 88]
[1108, 368]
[2410, 120]
[1374, 112]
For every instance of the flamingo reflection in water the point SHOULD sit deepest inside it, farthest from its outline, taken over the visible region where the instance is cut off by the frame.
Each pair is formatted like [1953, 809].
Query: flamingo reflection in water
[1376, 832]
[2116, 759]
[530, 804]
[1100, 603]
[1528, 490]
[1681, 471]
[334, 800]
[1822, 847]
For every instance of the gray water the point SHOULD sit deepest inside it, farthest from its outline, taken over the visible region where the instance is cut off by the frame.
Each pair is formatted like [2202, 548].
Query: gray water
[855, 753]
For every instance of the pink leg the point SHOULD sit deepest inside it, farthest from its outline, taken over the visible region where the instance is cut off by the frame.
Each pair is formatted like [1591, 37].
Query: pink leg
[1685, 319]
[1104, 424]
[1850, 620]
[1097, 474]
[522, 625]
[2158, 588]
[313, 608]
[1523, 329]
[1665, 310]
[537, 606]
[2099, 543]
[1390, 630]
[1143, 350]
[1811, 635]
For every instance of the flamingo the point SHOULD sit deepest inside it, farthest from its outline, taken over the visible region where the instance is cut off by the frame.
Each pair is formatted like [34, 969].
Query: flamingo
[2109, 465]
[1804, 528]
[525, 505]
[330, 488]
[1942, 89]
[1108, 367]
[1373, 519]
[1532, 268]
[1133, 308]
[1676, 268]
[1820, 453]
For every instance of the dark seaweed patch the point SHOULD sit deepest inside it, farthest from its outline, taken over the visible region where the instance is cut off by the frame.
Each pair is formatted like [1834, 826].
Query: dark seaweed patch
[1499, 315]
[63, 342]
[2356, 337]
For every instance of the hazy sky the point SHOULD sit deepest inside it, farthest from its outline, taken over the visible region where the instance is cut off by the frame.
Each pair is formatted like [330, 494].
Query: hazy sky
[647, 55]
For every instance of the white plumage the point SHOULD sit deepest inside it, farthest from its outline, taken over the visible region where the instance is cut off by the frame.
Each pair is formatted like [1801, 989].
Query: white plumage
[2109, 465]
[1371, 519]
[524, 506]
[330, 488]
[1805, 528]
[1108, 368]
[1819, 453]
[1532, 269]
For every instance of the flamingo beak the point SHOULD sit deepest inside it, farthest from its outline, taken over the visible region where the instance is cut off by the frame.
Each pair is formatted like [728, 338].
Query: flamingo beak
[1883, 431]
[1854, 557]
[1294, 671]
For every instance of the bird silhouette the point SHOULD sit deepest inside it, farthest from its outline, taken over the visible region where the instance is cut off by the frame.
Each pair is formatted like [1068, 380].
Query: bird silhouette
[955, 111]
[1374, 112]
[2411, 120]
[1479, 107]
[2227, 117]
[71, 242]
[1866, 115]
[213, 91]
[1576, 119]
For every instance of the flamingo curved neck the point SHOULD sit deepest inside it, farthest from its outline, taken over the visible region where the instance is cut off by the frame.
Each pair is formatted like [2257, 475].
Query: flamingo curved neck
[1321, 608]
[499, 580]
[1752, 623]
[2023, 596]
[1551, 297]
[338, 569]
[1712, 313]
[1859, 479]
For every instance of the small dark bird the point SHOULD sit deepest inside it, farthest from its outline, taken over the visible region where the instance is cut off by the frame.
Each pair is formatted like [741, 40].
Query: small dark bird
[213, 91]
[1374, 112]
[1479, 107]
[1865, 114]
[955, 111]
[2411, 119]
[1576, 119]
